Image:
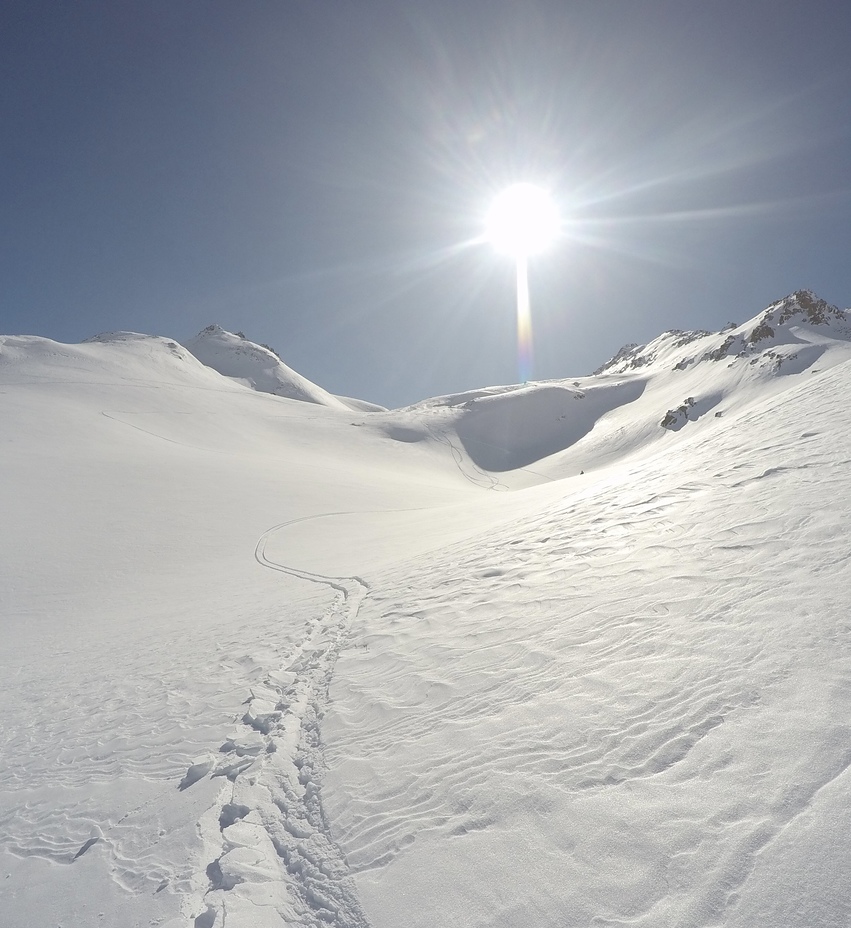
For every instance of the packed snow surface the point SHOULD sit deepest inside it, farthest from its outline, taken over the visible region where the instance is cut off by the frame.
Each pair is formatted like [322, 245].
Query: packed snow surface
[565, 653]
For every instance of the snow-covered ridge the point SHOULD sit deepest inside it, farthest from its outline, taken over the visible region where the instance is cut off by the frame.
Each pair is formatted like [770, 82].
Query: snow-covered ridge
[636, 400]
[790, 321]
[261, 368]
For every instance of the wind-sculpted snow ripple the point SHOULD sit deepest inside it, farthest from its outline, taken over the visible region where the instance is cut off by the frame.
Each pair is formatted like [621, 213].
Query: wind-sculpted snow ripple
[546, 715]
[603, 683]
[87, 744]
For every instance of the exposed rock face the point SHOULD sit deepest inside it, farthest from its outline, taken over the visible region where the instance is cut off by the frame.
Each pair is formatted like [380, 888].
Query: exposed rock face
[804, 305]
[675, 419]
[632, 357]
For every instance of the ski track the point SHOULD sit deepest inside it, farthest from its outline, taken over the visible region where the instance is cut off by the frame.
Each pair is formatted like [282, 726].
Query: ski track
[272, 860]
[466, 467]
[267, 857]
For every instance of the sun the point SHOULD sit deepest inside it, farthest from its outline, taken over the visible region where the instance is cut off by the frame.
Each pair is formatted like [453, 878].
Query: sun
[522, 220]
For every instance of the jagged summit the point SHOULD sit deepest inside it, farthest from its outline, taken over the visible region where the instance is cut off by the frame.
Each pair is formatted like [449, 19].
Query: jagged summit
[804, 306]
[769, 338]
[634, 356]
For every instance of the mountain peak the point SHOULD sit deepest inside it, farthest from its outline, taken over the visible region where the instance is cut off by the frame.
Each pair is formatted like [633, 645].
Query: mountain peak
[784, 322]
[256, 366]
[805, 305]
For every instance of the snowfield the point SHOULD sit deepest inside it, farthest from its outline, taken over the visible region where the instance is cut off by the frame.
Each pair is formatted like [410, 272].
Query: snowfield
[574, 653]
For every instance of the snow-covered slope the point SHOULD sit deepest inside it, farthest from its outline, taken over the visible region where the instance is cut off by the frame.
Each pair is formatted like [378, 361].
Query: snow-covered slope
[558, 428]
[268, 662]
[631, 706]
[259, 367]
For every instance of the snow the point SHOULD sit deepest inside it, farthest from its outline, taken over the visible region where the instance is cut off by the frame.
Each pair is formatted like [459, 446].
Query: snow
[260, 367]
[523, 655]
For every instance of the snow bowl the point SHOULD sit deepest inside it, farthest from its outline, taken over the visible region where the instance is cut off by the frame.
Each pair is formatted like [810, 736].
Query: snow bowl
[510, 430]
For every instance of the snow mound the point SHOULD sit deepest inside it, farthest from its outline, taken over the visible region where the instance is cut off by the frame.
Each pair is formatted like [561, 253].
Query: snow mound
[258, 367]
[138, 339]
[106, 358]
[360, 405]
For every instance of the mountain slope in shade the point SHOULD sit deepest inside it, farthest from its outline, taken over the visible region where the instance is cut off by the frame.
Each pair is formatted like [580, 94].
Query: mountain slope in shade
[268, 663]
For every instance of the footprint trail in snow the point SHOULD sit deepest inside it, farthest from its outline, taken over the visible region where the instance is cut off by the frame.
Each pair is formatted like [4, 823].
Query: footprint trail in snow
[270, 858]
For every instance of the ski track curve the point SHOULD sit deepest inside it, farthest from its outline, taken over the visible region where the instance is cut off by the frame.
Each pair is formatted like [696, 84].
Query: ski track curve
[270, 858]
[471, 472]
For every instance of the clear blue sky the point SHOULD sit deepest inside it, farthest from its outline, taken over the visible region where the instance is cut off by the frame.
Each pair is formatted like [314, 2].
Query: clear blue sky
[313, 172]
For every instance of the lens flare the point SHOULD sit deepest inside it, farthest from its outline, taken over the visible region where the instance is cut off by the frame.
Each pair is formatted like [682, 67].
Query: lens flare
[523, 220]
[525, 354]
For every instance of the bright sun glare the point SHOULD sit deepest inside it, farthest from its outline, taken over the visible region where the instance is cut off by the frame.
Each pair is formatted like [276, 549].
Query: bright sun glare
[522, 220]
